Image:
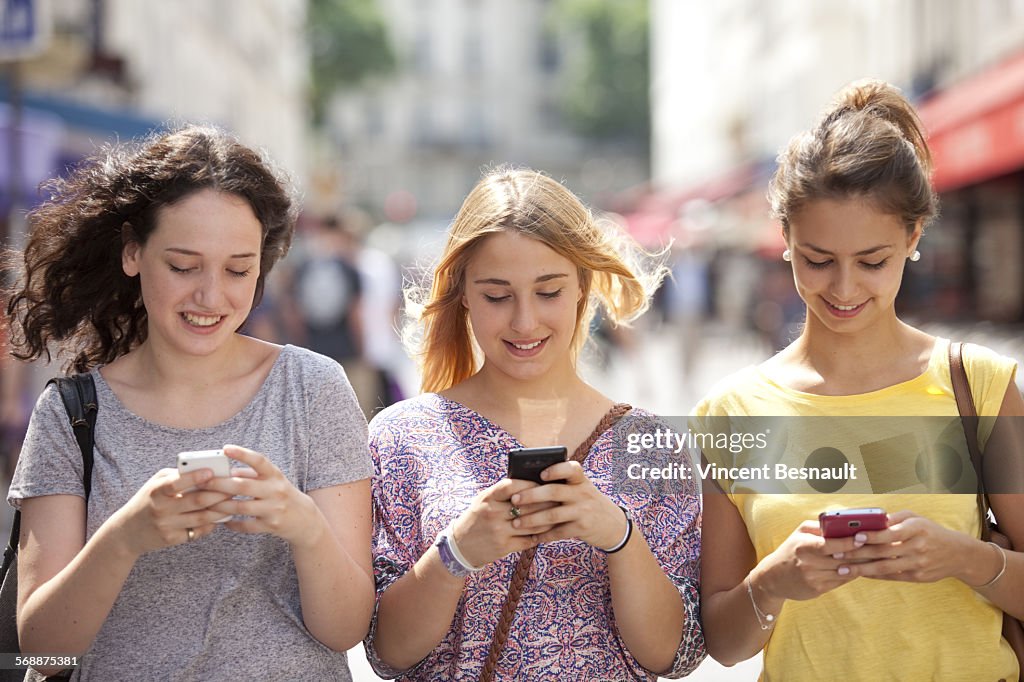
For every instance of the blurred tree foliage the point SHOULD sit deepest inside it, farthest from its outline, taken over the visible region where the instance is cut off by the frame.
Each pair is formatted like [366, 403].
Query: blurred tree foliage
[348, 42]
[609, 74]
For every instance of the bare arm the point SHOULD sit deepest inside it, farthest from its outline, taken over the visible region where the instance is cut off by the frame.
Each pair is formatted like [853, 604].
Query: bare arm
[416, 612]
[916, 549]
[67, 586]
[648, 608]
[329, 533]
[333, 565]
[802, 567]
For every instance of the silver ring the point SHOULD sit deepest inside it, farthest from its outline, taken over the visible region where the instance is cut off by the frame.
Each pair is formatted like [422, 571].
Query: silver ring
[515, 512]
[191, 534]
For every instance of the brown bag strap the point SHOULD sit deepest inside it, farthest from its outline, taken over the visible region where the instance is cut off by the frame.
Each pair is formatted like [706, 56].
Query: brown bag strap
[522, 570]
[969, 419]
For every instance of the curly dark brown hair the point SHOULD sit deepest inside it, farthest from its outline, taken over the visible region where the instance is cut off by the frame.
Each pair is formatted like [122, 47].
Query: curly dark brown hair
[71, 290]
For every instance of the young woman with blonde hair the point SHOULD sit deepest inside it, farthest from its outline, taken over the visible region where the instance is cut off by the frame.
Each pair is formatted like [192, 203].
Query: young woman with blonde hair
[612, 592]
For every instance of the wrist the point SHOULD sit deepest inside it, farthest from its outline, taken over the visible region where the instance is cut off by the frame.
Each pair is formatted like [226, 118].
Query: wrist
[624, 538]
[451, 555]
[313, 531]
[988, 569]
[761, 585]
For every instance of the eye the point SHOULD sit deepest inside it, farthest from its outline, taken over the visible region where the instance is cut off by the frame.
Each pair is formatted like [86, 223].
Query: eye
[179, 270]
[550, 294]
[244, 273]
[817, 265]
[496, 299]
[876, 266]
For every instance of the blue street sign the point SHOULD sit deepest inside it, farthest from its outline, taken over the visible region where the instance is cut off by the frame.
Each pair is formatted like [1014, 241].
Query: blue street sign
[24, 28]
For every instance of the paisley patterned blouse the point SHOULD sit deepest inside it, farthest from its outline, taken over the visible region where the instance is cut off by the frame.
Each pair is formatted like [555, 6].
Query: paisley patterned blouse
[432, 457]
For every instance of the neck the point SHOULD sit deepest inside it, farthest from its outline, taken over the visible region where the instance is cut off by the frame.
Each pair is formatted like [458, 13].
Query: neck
[559, 385]
[838, 353]
[170, 370]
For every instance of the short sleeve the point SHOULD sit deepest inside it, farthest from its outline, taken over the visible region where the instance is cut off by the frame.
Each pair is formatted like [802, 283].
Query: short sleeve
[51, 461]
[338, 451]
[395, 519]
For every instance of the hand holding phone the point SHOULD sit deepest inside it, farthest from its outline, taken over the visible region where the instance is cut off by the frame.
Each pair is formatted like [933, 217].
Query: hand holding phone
[843, 523]
[527, 463]
[215, 460]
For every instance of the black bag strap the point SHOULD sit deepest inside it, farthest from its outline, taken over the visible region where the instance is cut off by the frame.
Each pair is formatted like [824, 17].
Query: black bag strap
[969, 419]
[78, 393]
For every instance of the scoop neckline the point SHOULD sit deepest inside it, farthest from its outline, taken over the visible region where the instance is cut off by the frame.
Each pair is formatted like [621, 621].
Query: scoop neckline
[102, 385]
[934, 361]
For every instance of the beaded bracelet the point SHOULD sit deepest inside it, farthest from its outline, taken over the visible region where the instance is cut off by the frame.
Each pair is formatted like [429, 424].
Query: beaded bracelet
[765, 620]
[625, 538]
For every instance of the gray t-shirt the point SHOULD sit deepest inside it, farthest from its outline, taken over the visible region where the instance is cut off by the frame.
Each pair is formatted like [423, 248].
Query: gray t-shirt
[225, 607]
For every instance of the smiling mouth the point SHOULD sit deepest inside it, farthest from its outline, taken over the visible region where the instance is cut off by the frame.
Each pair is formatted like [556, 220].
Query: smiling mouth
[202, 320]
[526, 349]
[844, 310]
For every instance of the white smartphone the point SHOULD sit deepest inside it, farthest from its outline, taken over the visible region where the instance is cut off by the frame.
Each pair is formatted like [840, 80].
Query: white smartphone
[215, 460]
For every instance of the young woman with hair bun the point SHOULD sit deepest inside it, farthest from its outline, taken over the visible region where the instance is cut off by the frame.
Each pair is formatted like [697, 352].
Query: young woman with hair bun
[924, 597]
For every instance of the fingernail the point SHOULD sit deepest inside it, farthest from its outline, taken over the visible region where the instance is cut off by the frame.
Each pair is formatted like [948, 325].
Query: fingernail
[516, 523]
[860, 538]
[837, 555]
[515, 499]
[843, 570]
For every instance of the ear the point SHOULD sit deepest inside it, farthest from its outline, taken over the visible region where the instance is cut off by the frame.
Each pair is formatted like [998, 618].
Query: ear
[131, 252]
[915, 236]
[465, 303]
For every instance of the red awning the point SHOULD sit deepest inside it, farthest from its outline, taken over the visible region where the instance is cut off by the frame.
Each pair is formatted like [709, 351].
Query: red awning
[976, 127]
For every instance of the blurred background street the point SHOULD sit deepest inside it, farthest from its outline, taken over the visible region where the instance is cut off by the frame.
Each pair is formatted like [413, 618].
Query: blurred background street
[663, 115]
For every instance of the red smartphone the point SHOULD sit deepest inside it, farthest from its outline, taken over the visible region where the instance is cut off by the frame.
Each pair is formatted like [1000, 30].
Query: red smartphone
[843, 523]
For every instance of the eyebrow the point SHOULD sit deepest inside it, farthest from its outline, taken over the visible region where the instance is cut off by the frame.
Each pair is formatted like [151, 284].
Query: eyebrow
[187, 252]
[865, 252]
[506, 283]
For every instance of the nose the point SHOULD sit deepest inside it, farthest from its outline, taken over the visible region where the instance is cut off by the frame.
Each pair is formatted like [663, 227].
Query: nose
[210, 291]
[844, 284]
[524, 318]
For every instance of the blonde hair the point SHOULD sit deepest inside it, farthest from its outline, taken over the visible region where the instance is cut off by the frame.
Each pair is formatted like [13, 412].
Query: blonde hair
[868, 143]
[613, 272]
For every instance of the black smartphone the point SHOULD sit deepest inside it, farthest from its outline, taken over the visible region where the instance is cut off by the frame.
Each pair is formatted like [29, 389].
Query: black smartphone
[527, 463]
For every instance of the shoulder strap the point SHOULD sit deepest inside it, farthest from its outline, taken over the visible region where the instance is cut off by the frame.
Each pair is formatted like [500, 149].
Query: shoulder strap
[78, 393]
[969, 419]
[522, 570]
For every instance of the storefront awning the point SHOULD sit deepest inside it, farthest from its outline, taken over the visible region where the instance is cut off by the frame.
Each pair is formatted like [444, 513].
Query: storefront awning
[976, 127]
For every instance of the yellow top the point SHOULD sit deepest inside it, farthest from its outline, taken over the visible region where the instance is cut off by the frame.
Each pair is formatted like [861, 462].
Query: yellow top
[869, 629]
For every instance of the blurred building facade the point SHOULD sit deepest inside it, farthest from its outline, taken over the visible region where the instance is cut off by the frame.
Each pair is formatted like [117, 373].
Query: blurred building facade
[733, 81]
[121, 68]
[477, 85]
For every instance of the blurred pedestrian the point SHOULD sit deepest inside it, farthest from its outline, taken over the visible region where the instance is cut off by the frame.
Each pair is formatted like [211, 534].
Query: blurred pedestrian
[325, 310]
[508, 311]
[143, 265]
[853, 196]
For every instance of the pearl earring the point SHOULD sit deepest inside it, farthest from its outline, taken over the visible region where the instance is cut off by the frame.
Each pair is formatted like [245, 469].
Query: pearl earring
[787, 255]
[916, 256]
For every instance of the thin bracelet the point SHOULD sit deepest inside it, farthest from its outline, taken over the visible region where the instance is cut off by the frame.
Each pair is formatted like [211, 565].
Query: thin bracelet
[1002, 570]
[765, 620]
[625, 538]
[450, 534]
